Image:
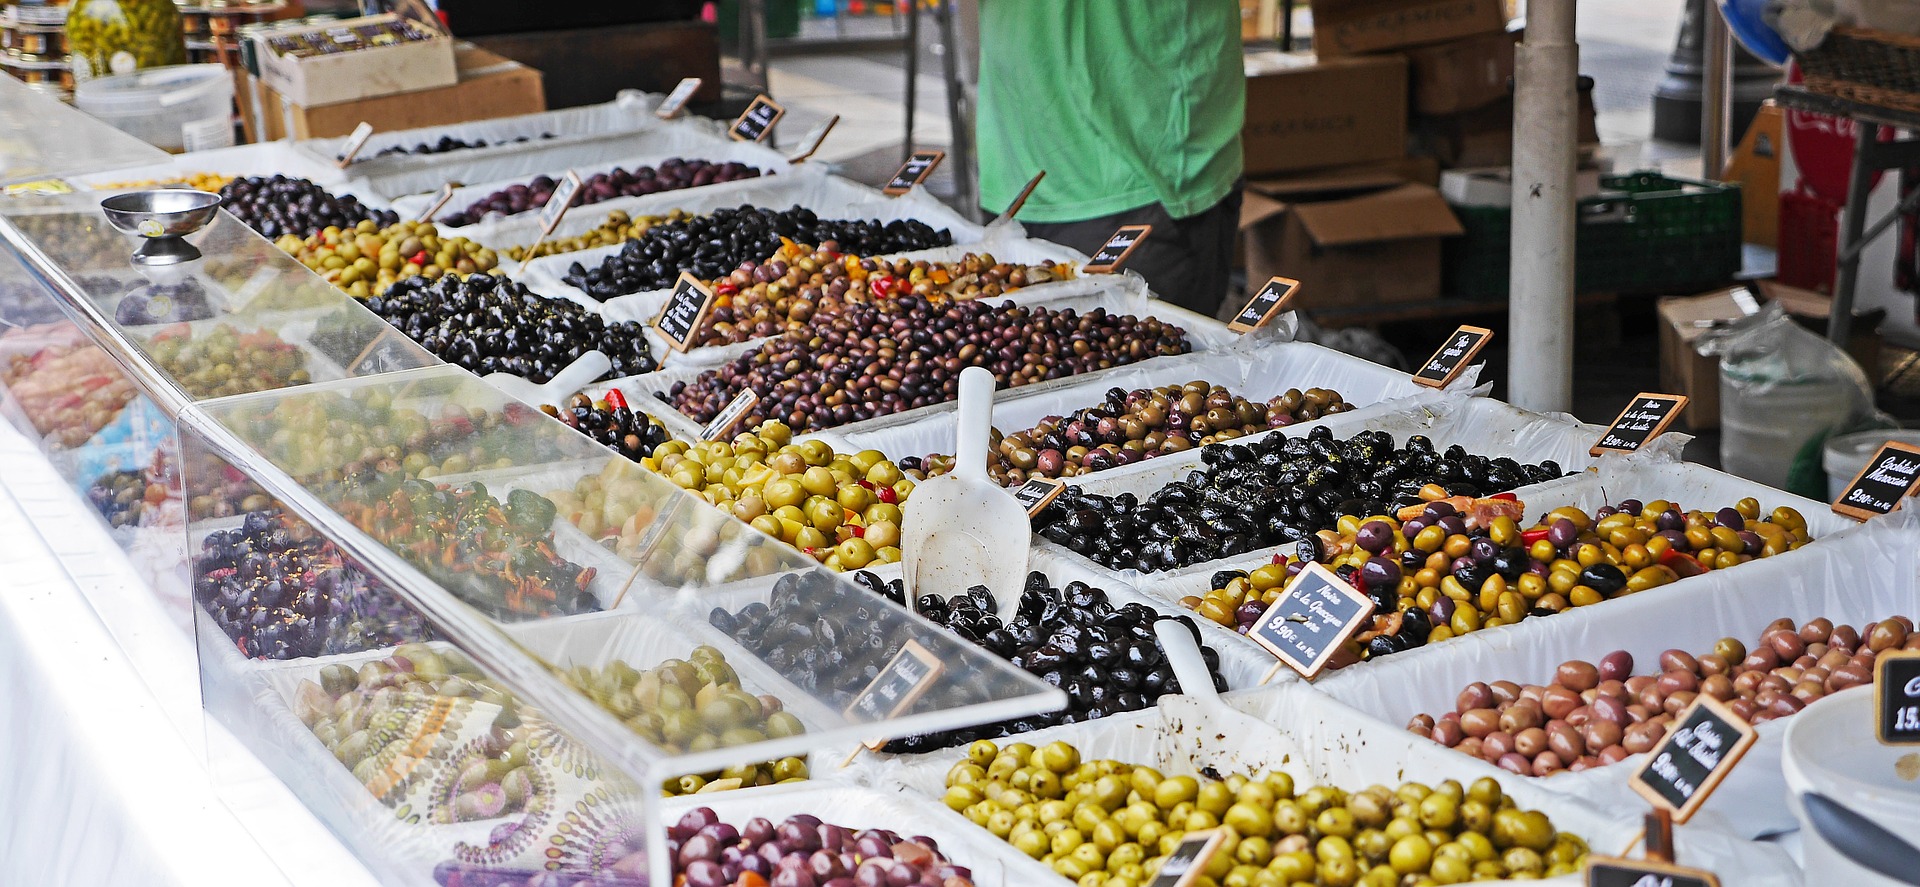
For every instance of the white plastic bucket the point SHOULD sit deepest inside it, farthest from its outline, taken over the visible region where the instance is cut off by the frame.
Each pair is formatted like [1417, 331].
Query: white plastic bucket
[1846, 454]
[1830, 748]
[177, 108]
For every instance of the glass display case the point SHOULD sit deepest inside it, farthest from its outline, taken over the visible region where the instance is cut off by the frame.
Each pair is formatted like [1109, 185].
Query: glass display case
[379, 560]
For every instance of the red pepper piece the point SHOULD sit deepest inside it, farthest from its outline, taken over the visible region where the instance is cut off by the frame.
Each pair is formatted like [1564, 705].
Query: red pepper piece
[1534, 535]
[1681, 563]
[615, 399]
[419, 258]
[888, 496]
[1508, 497]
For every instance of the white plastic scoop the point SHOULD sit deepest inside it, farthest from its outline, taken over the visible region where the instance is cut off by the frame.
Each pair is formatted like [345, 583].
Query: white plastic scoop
[579, 374]
[962, 529]
[1188, 664]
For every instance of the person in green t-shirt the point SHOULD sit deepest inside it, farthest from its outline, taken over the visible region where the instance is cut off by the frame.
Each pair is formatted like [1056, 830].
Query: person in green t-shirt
[1133, 108]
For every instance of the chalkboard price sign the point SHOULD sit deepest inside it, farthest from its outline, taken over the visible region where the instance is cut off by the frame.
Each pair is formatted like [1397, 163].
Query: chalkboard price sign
[1689, 763]
[676, 101]
[1889, 477]
[908, 675]
[1317, 613]
[914, 172]
[1446, 363]
[730, 415]
[1896, 690]
[1115, 251]
[439, 200]
[757, 120]
[389, 352]
[686, 308]
[1265, 304]
[1606, 871]
[1037, 493]
[1643, 420]
[355, 141]
[1189, 859]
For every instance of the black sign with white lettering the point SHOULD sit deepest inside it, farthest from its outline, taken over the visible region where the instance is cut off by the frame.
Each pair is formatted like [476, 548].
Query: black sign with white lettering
[1689, 763]
[1306, 626]
[1037, 493]
[1611, 872]
[1111, 254]
[1265, 304]
[1643, 420]
[757, 120]
[730, 415]
[1896, 686]
[914, 171]
[1889, 477]
[1189, 859]
[1446, 363]
[898, 685]
[686, 308]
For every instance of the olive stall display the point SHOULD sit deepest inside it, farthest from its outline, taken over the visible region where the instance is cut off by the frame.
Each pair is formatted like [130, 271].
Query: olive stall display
[68, 391]
[1275, 490]
[694, 704]
[223, 360]
[880, 358]
[612, 424]
[712, 245]
[1451, 566]
[367, 260]
[800, 850]
[490, 324]
[448, 143]
[619, 227]
[670, 175]
[1590, 714]
[277, 206]
[1132, 426]
[280, 590]
[326, 440]
[1110, 823]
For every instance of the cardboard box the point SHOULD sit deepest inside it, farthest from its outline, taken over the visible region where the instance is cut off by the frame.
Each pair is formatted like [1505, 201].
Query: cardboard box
[376, 69]
[1683, 320]
[1347, 247]
[489, 86]
[1303, 113]
[1484, 136]
[1347, 27]
[1462, 75]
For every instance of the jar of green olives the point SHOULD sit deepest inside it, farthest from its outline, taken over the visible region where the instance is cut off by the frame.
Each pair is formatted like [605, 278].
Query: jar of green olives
[106, 37]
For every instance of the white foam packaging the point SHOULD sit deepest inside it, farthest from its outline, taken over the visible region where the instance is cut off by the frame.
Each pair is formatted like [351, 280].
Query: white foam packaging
[1852, 575]
[1322, 744]
[262, 159]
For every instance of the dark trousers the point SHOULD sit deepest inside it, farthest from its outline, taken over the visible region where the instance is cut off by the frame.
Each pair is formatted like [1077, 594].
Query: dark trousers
[1185, 261]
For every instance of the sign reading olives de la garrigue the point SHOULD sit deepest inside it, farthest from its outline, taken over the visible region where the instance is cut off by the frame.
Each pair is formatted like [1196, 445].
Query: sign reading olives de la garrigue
[1265, 304]
[757, 120]
[685, 309]
[1889, 477]
[1108, 258]
[1643, 420]
[1689, 763]
[1037, 493]
[897, 686]
[1189, 859]
[1446, 363]
[676, 101]
[1896, 683]
[1317, 613]
[914, 172]
[1605, 871]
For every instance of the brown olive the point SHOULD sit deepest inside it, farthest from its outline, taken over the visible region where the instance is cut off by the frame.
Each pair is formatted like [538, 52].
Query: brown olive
[1678, 660]
[1479, 721]
[1616, 666]
[1576, 675]
[1476, 695]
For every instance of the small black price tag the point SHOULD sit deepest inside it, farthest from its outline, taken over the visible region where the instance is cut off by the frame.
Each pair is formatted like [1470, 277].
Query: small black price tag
[557, 205]
[1896, 692]
[1317, 613]
[1108, 258]
[914, 172]
[355, 141]
[1446, 363]
[684, 312]
[676, 101]
[1037, 493]
[1644, 419]
[1889, 477]
[757, 120]
[1189, 859]
[906, 677]
[1013, 208]
[439, 200]
[1265, 304]
[730, 415]
[1695, 755]
[1607, 871]
[389, 352]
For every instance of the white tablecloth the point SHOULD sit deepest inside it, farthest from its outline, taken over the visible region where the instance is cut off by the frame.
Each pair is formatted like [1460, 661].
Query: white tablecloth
[104, 775]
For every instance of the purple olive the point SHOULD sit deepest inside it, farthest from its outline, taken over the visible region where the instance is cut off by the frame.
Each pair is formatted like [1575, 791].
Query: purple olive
[698, 847]
[1442, 610]
[1670, 520]
[1437, 510]
[1604, 512]
[1753, 541]
[759, 830]
[705, 873]
[1380, 573]
[1483, 549]
[722, 834]
[1731, 519]
[1631, 506]
[1374, 536]
[1453, 524]
[1413, 526]
[1562, 532]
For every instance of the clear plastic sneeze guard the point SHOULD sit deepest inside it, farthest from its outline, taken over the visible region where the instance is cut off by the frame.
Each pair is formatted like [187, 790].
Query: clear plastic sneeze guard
[40, 136]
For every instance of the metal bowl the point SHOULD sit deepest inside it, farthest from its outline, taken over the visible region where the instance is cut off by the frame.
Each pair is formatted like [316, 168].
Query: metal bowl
[161, 212]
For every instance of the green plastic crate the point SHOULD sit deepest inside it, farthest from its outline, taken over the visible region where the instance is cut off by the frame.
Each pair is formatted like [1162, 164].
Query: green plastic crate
[1664, 234]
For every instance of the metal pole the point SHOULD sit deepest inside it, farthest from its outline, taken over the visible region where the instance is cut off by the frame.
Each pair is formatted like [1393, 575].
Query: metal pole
[1716, 91]
[913, 74]
[1853, 218]
[1540, 307]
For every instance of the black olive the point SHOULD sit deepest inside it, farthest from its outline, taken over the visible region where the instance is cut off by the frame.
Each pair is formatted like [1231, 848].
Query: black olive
[1603, 578]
